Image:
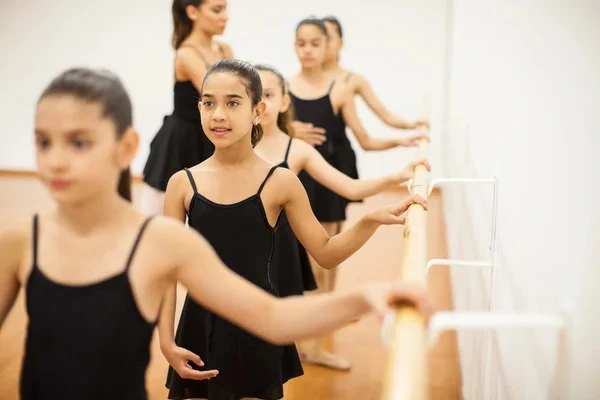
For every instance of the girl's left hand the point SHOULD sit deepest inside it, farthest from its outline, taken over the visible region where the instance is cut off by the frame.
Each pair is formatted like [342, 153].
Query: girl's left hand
[393, 215]
[408, 172]
[412, 141]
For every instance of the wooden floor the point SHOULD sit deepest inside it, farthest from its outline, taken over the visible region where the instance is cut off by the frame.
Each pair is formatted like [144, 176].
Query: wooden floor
[379, 259]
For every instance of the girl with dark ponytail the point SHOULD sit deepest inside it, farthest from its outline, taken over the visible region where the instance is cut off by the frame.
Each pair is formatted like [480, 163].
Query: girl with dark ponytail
[321, 99]
[180, 142]
[236, 200]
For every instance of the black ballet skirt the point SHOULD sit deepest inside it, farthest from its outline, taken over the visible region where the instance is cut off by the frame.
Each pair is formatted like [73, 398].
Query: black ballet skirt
[337, 151]
[180, 143]
[248, 366]
[344, 157]
[292, 274]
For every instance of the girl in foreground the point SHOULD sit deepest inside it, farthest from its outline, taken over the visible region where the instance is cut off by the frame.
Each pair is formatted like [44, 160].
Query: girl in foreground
[235, 199]
[95, 269]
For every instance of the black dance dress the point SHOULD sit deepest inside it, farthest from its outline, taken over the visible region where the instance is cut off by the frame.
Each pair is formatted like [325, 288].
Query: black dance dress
[337, 151]
[84, 341]
[180, 142]
[248, 366]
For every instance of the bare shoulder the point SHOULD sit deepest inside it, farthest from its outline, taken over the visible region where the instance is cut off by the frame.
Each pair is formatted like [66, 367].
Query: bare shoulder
[292, 80]
[161, 229]
[356, 80]
[301, 147]
[286, 181]
[226, 49]
[284, 175]
[302, 150]
[178, 182]
[16, 243]
[187, 57]
[168, 237]
[17, 236]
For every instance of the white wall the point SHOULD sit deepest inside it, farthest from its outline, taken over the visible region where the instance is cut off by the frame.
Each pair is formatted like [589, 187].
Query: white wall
[397, 45]
[523, 105]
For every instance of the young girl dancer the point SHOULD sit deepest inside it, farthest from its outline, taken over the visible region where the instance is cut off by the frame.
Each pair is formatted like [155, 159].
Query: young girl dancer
[323, 101]
[277, 147]
[356, 83]
[235, 200]
[180, 142]
[95, 269]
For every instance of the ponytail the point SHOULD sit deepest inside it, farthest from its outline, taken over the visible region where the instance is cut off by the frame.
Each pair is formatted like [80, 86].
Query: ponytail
[284, 120]
[256, 135]
[125, 184]
[182, 24]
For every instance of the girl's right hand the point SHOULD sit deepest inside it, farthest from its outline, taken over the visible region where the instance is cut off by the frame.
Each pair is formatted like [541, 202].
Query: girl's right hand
[408, 172]
[179, 358]
[309, 133]
[393, 215]
[381, 297]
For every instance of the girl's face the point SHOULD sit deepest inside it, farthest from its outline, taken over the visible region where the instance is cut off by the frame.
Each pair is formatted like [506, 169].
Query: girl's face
[226, 110]
[276, 101]
[311, 46]
[334, 44]
[77, 151]
[212, 16]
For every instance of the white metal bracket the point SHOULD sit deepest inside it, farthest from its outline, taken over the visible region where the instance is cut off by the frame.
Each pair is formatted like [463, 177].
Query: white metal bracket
[559, 321]
[492, 247]
[461, 320]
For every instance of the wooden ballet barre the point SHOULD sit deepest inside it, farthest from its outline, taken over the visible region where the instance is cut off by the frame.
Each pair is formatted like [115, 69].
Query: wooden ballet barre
[406, 372]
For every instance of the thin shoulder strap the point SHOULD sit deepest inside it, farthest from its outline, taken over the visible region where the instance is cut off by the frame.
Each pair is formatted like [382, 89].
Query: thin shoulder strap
[262, 185]
[137, 241]
[197, 52]
[331, 86]
[35, 239]
[287, 151]
[191, 178]
[221, 51]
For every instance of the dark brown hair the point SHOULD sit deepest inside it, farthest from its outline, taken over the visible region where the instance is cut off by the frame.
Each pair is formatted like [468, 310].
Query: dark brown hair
[253, 86]
[106, 89]
[284, 119]
[182, 25]
[336, 22]
[318, 22]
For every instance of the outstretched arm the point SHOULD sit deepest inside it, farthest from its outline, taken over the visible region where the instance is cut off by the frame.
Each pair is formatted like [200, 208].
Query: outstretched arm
[365, 90]
[338, 182]
[278, 321]
[367, 142]
[331, 251]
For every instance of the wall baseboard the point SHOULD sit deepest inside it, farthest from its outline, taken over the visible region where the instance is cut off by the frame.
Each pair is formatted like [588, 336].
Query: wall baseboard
[29, 174]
